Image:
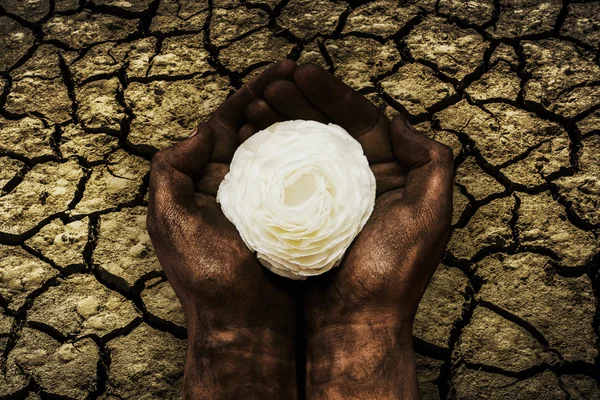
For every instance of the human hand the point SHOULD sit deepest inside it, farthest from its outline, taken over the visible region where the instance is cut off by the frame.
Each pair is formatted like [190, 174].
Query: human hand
[241, 319]
[359, 316]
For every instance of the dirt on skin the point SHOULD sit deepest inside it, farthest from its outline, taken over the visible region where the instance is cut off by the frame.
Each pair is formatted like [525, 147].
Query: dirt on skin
[90, 90]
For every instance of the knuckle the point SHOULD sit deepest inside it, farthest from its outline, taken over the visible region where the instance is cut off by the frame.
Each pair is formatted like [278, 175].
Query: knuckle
[159, 160]
[441, 153]
[255, 108]
[160, 166]
[308, 67]
[276, 88]
[304, 72]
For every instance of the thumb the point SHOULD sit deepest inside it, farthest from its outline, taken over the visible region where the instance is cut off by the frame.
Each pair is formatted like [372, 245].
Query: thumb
[174, 170]
[430, 166]
[191, 155]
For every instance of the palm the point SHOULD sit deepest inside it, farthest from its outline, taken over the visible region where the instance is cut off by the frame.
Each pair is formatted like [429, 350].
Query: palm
[370, 271]
[364, 271]
[268, 299]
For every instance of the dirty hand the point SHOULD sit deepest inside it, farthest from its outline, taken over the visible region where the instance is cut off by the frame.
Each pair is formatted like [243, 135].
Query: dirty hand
[241, 319]
[359, 316]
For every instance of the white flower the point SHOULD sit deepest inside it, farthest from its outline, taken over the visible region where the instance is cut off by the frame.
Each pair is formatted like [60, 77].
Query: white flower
[299, 192]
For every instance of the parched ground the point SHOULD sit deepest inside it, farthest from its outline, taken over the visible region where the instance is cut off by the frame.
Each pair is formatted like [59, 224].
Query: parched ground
[91, 89]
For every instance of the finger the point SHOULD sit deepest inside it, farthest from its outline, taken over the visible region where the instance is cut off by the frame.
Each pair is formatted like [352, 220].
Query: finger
[246, 131]
[262, 115]
[347, 108]
[389, 176]
[211, 178]
[430, 163]
[388, 200]
[287, 99]
[173, 170]
[231, 115]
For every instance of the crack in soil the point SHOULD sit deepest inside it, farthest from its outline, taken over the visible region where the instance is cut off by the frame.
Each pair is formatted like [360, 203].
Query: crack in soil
[469, 148]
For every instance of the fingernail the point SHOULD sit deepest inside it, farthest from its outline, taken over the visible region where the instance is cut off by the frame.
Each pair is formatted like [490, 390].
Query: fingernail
[194, 131]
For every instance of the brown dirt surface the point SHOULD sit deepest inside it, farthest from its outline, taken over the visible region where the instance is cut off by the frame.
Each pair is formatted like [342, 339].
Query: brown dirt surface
[91, 89]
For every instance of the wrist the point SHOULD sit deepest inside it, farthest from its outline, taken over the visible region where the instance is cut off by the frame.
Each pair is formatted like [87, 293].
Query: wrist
[239, 362]
[366, 358]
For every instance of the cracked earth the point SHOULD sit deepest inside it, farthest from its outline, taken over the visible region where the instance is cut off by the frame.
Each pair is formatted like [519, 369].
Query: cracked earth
[90, 90]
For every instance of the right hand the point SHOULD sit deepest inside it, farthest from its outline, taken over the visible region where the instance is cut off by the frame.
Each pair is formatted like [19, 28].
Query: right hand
[359, 316]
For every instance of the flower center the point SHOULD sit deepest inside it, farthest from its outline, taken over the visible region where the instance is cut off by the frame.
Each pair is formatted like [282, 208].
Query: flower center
[300, 190]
